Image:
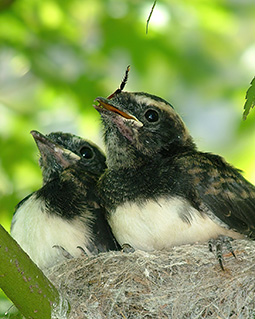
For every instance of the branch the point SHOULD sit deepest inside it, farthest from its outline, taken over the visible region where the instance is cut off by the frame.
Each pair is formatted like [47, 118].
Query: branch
[24, 283]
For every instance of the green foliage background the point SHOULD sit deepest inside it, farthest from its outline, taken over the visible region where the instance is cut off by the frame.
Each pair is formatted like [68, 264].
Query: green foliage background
[57, 56]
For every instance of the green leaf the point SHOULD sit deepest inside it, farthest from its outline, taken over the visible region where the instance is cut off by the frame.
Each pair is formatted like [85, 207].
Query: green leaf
[250, 99]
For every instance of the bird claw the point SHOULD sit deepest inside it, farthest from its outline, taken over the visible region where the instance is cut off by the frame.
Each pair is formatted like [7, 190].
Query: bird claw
[215, 245]
[86, 251]
[65, 253]
[126, 248]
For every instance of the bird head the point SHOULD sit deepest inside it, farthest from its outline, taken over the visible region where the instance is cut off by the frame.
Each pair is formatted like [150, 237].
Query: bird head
[141, 123]
[60, 151]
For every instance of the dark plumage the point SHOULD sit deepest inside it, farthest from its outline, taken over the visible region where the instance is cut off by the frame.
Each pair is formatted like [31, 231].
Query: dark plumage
[159, 189]
[65, 213]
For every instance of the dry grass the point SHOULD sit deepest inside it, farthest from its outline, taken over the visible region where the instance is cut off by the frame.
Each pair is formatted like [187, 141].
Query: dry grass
[186, 282]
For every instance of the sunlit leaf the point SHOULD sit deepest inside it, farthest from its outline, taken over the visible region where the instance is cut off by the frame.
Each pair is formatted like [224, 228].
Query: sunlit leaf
[250, 99]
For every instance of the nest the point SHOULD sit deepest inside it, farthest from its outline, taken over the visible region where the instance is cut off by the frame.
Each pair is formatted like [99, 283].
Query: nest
[186, 282]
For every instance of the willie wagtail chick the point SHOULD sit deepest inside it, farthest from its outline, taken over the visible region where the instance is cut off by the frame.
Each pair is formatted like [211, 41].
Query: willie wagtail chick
[159, 190]
[64, 217]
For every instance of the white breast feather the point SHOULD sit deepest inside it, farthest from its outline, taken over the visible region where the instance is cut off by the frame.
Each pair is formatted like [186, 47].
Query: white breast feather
[157, 225]
[37, 232]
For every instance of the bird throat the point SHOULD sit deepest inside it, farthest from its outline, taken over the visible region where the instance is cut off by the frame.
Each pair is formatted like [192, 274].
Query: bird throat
[124, 128]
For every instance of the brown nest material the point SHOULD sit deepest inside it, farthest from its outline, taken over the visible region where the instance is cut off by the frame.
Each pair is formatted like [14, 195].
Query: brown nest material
[185, 282]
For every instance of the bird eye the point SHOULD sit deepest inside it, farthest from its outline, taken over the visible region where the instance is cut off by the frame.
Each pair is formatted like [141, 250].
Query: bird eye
[86, 152]
[151, 116]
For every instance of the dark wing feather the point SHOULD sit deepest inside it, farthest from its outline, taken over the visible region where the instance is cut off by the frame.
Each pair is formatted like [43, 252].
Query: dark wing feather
[22, 202]
[223, 190]
[17, 207]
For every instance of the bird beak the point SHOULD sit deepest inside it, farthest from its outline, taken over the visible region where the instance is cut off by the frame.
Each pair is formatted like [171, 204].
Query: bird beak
[107, 105]
[52, 152]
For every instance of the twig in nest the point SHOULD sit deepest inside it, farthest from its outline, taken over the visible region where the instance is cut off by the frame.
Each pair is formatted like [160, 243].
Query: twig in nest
[149, 17]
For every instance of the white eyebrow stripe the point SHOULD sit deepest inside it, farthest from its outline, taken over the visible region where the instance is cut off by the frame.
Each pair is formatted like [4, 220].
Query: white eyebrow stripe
[142, 99]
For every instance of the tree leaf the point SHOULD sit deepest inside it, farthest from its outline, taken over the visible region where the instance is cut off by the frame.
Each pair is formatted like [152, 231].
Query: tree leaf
[250, 99]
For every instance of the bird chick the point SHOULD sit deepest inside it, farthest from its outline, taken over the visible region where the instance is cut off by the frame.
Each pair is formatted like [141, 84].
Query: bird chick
[64, 217]
[159, 190]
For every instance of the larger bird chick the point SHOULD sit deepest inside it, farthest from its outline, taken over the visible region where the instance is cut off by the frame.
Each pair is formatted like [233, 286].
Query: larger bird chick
[159, 190]
[64, 217]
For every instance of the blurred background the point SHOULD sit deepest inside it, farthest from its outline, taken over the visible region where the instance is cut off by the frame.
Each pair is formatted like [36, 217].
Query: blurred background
[56, 57]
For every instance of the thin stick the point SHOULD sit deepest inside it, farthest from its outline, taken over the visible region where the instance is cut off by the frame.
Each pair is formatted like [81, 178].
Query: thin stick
[149, 17]
[124, 81]
[122, 84]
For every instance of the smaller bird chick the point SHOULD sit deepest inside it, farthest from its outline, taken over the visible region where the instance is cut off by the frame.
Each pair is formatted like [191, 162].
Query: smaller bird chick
[64, 218]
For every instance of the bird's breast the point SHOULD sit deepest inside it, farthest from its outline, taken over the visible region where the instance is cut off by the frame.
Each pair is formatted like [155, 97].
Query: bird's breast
[161, 224]
[37, 231]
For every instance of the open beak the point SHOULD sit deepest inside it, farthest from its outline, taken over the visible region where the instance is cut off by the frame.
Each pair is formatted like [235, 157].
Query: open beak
[52, 152]
[106, 104]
